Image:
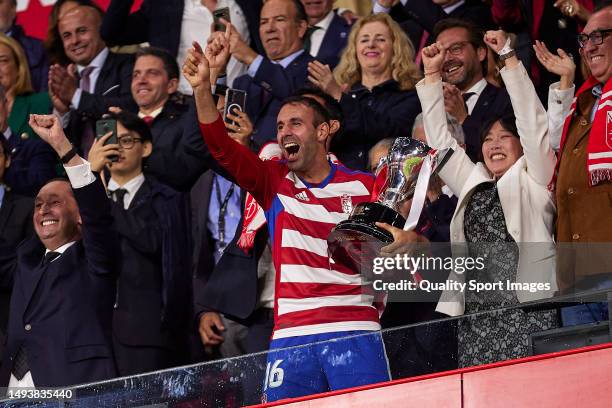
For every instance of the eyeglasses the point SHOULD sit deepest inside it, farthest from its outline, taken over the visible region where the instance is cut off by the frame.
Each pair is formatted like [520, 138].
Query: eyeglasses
[127, 142]
[596, 37]
[456, 48]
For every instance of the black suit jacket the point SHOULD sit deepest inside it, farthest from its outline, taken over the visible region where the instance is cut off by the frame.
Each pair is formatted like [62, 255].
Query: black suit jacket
[334, 41]
[493, 102]
[112, 89]
[179, 155]
[267, 89]
[159, 23]
[15, 226]
[153, 303]
[232, 288]
[62, 312]
[203, 259]
[422, 15]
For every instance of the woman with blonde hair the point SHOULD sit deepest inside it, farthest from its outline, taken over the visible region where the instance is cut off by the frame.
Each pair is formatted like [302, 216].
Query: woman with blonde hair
[32, 161]
[15, 78]
[375, 85]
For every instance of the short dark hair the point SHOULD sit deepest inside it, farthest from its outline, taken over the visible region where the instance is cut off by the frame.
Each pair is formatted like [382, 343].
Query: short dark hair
[333, 106]
[507, 121]
[170, 64]
[320, 114]
[475, 34]
[300, 11]
[132, 122]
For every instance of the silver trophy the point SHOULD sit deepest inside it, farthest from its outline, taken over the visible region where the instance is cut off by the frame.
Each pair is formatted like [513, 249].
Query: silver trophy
[408, 167]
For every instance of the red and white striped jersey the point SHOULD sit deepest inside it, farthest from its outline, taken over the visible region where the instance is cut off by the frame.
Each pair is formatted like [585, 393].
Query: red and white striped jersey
[313, 294]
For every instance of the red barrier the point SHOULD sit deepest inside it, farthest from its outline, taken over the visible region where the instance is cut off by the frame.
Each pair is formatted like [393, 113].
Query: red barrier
[580, 377]
[33, 15]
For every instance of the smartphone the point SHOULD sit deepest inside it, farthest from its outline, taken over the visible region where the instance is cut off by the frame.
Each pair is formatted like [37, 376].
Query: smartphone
[103, 126]
[235, 101]
[222, 13]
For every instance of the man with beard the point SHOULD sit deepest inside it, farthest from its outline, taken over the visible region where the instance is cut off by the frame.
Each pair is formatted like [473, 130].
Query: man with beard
[467, 95]
[303, 196]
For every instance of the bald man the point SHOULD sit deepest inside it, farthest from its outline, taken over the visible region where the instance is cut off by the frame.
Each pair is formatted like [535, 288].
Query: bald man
[95, 80]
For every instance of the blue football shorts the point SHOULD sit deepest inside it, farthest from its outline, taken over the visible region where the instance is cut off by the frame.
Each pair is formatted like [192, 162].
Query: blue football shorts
[305, 365]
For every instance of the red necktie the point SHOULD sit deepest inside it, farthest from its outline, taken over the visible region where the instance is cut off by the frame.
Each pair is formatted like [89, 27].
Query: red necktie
[148, 120]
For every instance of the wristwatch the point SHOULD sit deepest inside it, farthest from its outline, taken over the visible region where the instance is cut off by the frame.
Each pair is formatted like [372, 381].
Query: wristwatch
[509, 54]
[69, 155]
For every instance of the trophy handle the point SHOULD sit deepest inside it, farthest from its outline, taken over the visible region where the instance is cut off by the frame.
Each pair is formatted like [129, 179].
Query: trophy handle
[428, 168]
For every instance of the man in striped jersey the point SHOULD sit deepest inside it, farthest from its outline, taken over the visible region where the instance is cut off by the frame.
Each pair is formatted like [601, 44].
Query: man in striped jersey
[304, 197]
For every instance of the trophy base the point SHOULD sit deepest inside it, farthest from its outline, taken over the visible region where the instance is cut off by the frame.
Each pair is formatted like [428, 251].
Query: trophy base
[357, 241]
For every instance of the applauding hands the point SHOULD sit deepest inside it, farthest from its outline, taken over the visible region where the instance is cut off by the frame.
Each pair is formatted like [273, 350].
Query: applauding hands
[561, 64]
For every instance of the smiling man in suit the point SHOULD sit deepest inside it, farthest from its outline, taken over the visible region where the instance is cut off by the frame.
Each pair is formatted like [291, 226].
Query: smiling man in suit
[467, 95]
[328, 31]
[179, 156]
[96, 80]
[59, 330]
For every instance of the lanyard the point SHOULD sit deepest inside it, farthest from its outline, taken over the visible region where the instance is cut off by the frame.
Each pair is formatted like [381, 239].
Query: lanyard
[222, 211]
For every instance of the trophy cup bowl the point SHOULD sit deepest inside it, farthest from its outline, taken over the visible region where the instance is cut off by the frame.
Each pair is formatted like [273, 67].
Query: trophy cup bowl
[355, 242]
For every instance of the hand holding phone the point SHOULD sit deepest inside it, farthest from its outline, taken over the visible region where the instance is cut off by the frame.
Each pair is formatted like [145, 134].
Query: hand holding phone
[222, 13]
[103, 127]
[235, 101]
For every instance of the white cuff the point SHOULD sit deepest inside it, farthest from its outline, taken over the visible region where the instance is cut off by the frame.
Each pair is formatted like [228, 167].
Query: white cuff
[80, 175]
[377, 9]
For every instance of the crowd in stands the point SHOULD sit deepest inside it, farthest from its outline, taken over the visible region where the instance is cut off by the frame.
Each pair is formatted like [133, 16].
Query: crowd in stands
[192, 232]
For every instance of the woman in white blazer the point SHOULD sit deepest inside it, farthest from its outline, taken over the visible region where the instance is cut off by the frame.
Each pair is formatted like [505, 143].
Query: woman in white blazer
[504, 206]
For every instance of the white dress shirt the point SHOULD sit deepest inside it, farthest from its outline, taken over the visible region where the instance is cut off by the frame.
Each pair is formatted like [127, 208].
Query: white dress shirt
[131, 186]
[61, 249]
[97, 63]
[316, 38]
[476, 89]
[196, 23]
[153, 114]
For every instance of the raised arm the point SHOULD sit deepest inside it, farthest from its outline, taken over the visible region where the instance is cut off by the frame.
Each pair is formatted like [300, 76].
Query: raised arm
[560, 93]
[531, 118]
[429, 89]
[99, 239]
[251, 173]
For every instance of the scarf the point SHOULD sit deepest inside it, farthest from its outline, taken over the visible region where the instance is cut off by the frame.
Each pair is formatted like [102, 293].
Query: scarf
[599, 148]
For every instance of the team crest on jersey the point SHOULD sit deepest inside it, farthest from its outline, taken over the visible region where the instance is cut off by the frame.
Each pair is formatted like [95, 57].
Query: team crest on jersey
[347, 203]
[609, 129]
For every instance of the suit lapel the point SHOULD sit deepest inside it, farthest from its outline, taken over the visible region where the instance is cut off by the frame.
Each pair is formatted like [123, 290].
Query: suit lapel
[165, 119]
[143, 194]
[102, 85]
[331, 39]
[484, 101]
[31, 269]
